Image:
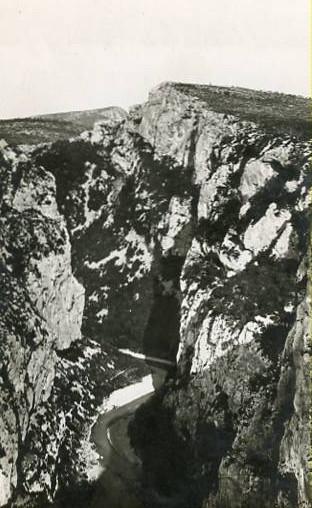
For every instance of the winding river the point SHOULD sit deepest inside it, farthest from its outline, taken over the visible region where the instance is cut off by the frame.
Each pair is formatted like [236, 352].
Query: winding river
[119, 482]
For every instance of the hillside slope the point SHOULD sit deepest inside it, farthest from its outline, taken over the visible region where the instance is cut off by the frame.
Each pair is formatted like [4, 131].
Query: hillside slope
[50, 128]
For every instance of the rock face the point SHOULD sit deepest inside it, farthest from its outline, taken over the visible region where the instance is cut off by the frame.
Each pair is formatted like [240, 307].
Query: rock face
[239, 401]
[41, 312]
[180, 230]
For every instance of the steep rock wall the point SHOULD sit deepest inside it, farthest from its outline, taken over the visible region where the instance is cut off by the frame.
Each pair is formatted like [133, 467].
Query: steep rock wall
[92, 205]
[238, 408]
[41, 311]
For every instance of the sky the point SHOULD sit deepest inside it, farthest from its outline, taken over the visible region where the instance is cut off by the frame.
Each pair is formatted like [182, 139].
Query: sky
[64, 55]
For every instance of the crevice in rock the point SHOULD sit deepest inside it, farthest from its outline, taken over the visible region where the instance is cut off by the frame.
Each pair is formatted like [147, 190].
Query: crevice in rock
[162, 334]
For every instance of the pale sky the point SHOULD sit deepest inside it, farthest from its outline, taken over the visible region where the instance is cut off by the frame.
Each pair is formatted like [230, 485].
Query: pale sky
[62, 55]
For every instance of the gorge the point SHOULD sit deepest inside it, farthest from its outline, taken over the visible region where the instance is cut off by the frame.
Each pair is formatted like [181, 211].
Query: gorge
[178, 230]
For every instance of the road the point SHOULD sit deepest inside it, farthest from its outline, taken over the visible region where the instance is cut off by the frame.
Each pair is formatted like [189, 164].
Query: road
[154, 359]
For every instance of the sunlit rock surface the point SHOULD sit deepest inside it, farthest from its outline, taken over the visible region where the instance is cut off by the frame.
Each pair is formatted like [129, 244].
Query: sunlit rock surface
[179, 230]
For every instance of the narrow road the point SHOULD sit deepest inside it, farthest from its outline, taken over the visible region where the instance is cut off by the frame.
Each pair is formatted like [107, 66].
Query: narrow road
[141, 356]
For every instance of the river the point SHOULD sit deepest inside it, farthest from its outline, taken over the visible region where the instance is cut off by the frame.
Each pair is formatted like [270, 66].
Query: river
[118, 484]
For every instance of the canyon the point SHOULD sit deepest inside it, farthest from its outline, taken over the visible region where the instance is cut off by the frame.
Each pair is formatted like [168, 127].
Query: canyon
[178, 230]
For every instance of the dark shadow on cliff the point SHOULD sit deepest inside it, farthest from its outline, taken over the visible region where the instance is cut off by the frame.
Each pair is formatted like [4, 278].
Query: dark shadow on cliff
[162, 333]
[184, 435]
[171, 463]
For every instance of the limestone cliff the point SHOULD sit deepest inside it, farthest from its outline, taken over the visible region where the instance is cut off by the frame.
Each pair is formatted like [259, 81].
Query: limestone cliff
[238, 407]
[41, 313]
[179, 229]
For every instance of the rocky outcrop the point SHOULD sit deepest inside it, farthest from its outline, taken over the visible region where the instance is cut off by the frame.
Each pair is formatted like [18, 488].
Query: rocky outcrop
[179, 230]
[41, 311]
[240, 400]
